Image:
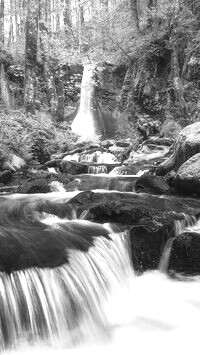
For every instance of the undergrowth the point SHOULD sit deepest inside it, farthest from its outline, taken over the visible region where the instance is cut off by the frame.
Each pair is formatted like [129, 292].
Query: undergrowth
[33, 137]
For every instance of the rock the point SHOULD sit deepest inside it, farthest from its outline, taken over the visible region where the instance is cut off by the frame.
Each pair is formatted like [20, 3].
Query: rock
[72, 167]
[169, 178]
[185, 254]
[187, 178]
[5, 177]
[187, 145]
[33, 187]
[107, 143]
[148, 240]
[147, 154]
[159, 141]
[125, 143]
[53, 163]
[106, 182]
[152, 184]
[130, 204]
[120, 153]
[27, 242]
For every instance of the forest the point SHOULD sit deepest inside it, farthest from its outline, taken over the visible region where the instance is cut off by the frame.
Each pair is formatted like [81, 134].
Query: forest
[99, 177]
[148, 58]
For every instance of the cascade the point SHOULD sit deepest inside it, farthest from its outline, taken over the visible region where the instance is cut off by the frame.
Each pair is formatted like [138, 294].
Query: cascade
[94, 302]
[88, 158]
[66, 302]
[88, 122]
[187, 223]
[98, 169]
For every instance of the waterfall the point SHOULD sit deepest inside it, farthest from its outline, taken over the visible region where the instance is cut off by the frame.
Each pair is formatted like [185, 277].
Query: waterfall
[181, 226]
[67, 302]
[88, 122]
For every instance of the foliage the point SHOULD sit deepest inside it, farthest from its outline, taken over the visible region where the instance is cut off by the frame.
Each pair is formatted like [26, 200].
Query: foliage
[30, 136]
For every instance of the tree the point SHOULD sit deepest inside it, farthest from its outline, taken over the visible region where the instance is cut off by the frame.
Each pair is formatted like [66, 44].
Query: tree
[135, 13]
[2, 20]
[31, 32]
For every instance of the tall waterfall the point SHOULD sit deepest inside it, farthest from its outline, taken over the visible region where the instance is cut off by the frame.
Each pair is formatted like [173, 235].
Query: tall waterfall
[88, 123]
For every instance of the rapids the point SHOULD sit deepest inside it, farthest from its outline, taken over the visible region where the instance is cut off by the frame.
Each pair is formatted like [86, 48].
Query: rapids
[94, 302]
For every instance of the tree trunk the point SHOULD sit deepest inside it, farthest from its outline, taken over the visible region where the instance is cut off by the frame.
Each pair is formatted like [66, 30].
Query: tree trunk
[175, 70]
[5, 95]
[31, 56]
[135, 13]
[61, 101]
[2, 21]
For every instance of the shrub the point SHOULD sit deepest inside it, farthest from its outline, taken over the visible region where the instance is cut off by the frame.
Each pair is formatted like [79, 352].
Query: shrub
[32, 137]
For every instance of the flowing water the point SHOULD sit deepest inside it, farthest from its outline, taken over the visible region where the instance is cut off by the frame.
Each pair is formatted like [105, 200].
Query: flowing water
[95, 303]
[88, 122]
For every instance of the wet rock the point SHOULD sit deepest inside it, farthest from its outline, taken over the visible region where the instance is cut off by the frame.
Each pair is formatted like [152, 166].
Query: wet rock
[106, 182]
[125, 143]
[33, 187]
[152, 184]
[127, 202]
[42, 246]
[187, 145]
[169, 178]
[187, 179]
[148, 240]
[120, 153]
[53, 163]
[159, 141]
[185, 254]
[147, 154]
[72, 167]
[107, 143]
[5, 177]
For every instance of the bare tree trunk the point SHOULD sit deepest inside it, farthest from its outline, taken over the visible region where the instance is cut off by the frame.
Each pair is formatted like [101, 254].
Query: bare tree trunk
[80, 23]
[31, 56]
[11, 32]
[2, 21]
[134, 6]
[5, 95]
[175, 70]
[67, 17]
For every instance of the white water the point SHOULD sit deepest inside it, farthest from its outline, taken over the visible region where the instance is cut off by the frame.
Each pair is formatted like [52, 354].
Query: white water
[181, 226]
[151, 314]
[84, 123]
[100, 169]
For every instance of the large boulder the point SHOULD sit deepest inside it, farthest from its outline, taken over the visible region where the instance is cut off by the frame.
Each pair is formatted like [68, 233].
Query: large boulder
[187, 178]
[151, 184]
[187, 145]
[185, 254]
